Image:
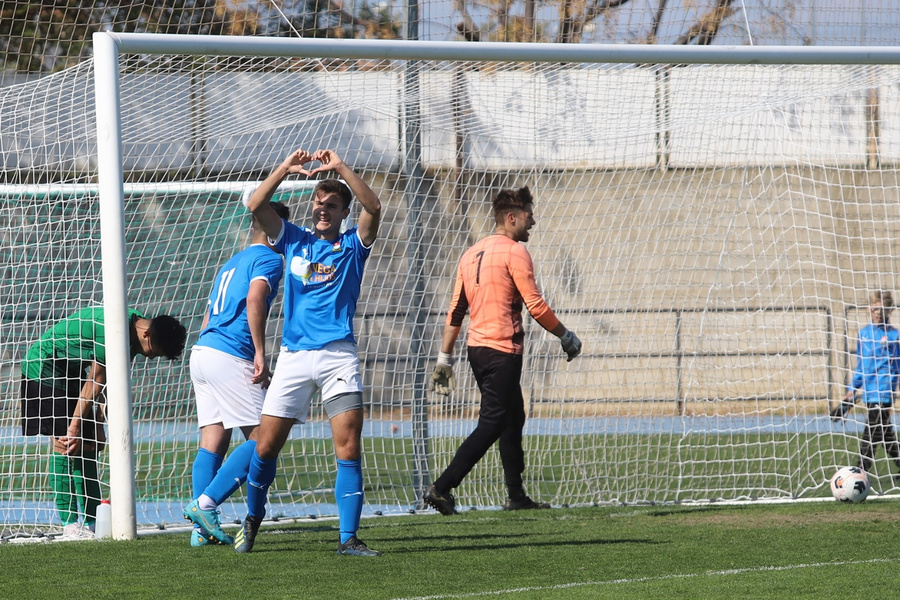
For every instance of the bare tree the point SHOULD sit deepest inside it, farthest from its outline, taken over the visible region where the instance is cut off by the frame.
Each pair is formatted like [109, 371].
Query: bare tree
[575, 17]
[576, 14]
[705, 30]
[42, 37]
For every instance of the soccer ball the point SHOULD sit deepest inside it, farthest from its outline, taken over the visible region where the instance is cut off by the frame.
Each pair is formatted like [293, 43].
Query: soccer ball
[850, 484]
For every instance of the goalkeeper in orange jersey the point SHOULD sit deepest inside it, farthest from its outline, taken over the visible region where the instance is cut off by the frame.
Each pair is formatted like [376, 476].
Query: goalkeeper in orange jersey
[495, 277]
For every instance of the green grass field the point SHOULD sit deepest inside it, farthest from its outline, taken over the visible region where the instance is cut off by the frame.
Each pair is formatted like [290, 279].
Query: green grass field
[658, 468]
[628, 469]
[808, 550]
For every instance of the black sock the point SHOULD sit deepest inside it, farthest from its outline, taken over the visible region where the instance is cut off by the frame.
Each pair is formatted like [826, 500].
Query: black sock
[517, 493]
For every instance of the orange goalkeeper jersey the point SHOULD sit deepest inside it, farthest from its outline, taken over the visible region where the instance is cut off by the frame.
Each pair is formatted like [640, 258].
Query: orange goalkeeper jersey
[495, 276]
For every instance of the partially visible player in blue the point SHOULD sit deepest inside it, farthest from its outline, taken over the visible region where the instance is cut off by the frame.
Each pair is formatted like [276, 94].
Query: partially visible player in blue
[877, 375]
[319, 352]
[230, 371]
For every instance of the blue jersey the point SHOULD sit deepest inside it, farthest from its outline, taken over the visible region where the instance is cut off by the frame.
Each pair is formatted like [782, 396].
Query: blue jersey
[877, 363]
[321, 288]
[228, 329]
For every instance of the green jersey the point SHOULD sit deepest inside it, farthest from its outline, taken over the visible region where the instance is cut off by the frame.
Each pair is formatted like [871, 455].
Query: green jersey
[66, 350]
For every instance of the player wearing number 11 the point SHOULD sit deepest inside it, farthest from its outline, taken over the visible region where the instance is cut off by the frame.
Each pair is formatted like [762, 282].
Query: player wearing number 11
[230, 371]
[494, 278]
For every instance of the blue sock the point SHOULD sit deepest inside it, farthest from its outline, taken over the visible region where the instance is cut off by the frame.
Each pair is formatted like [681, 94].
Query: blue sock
[232, 474]
[348, 491]
[260, 477]
[206, 465]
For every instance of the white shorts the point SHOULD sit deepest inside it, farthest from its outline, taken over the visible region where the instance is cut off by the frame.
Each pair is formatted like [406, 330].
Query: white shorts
[224, 388]
[299, 375]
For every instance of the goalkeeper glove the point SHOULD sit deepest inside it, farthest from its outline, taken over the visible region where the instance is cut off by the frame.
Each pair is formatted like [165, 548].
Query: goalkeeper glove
[571, 345]
[838, 412]
[442, 378]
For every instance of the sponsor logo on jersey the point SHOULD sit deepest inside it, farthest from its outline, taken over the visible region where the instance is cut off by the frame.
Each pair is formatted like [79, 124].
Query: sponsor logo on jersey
[312, 273]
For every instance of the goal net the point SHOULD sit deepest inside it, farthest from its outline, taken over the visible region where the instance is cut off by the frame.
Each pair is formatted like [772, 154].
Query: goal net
[711, 232]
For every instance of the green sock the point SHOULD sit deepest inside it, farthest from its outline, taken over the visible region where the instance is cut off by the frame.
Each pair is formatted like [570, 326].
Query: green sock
[63, 486]
[90, 483]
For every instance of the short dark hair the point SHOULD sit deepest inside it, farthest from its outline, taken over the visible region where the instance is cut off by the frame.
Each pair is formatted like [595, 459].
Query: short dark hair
[508, 200]
[884, 296]
[281, 210]
[333, 186]
[167, 335]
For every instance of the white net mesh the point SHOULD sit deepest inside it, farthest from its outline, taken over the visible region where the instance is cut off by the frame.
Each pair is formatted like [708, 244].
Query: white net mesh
[710, 232]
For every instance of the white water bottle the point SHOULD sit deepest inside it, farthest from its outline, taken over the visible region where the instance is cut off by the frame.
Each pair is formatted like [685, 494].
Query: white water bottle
[103, 527]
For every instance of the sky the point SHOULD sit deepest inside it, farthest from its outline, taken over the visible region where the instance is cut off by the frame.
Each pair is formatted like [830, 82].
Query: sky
[756, 22]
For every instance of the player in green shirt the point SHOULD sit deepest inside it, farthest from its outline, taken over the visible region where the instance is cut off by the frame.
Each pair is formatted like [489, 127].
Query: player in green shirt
[63, 377]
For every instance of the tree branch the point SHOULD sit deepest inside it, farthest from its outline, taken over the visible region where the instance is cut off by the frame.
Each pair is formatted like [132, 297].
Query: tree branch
[572, 27]
[706, 29]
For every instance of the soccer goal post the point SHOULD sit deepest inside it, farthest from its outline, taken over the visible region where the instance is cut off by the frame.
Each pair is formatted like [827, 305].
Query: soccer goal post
[710, 221]
[750, 127]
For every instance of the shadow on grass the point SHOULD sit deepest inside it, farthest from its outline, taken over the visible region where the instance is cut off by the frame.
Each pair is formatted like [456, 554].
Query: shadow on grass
[505, 543]
[441, 543]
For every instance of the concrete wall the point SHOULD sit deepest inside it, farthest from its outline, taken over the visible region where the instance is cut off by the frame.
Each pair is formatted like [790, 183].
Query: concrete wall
[706, 285]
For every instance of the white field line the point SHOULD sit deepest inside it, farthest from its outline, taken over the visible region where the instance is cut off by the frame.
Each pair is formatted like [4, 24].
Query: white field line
[612, 582]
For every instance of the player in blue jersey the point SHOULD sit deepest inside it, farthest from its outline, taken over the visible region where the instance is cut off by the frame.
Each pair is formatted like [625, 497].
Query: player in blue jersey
[877, 376]
[230, 372]
[319, 352]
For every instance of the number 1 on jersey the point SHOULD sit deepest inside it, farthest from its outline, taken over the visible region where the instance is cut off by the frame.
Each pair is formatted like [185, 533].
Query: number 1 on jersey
[219, 304]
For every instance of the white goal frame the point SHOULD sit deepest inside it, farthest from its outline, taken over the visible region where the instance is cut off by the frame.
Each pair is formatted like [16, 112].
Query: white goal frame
[108, 46]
